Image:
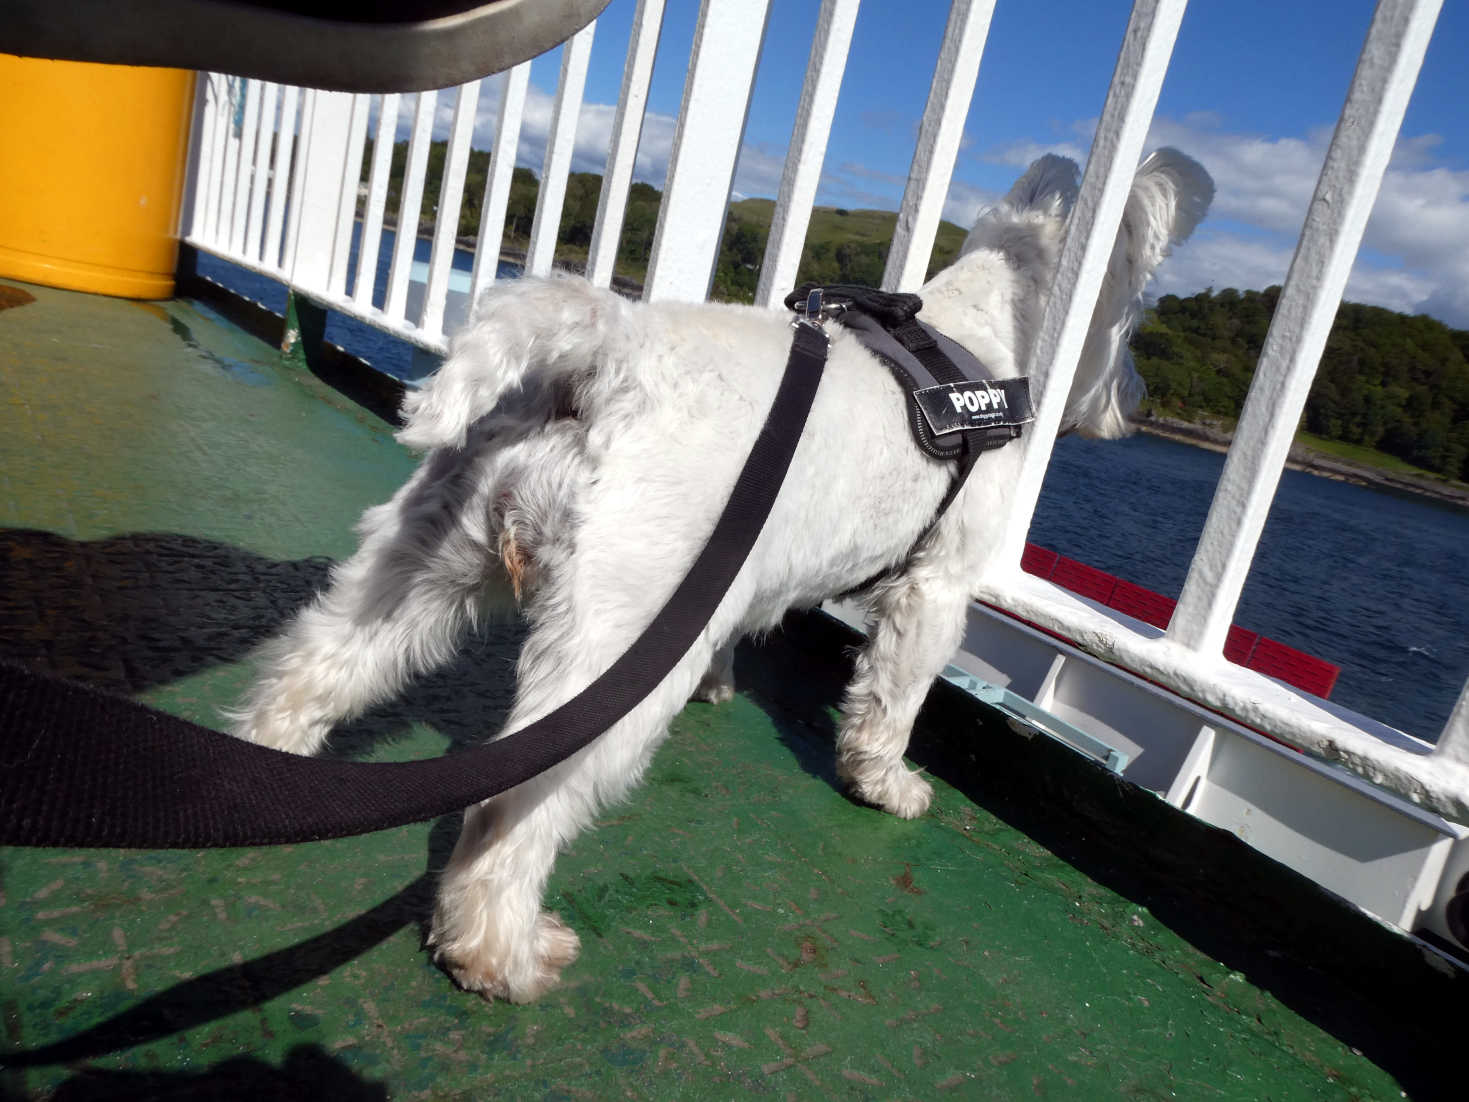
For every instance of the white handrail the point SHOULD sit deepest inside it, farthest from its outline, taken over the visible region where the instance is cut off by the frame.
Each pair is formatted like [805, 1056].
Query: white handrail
[295, 203]
[260, 180]
[351, 172]
[711, 121]
[576, 55]
[231, 145]
[1147, 44]
[410, 205]
[240, 203]
[285, 142]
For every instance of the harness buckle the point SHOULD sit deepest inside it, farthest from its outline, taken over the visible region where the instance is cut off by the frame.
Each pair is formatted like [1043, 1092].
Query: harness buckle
[815, 312]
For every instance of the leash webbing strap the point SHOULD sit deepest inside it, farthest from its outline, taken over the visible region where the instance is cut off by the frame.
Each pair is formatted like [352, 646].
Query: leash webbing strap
[80, 768]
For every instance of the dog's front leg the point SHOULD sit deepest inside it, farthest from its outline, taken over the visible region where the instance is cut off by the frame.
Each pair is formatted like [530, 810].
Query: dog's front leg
[717, 685]
[919, 621]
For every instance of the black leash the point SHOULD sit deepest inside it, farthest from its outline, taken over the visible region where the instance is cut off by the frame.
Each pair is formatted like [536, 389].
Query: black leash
[80, 768]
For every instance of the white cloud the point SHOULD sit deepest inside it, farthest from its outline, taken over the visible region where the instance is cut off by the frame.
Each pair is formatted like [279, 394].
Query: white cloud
[1021, 154]
[965, 201]
[1221, 260]
[1416, 245]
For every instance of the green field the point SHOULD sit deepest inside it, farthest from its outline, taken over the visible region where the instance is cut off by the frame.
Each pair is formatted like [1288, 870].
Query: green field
[1367, 457]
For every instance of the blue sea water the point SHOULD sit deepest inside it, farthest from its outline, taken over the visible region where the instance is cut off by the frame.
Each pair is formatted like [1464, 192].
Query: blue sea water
[1375, 582]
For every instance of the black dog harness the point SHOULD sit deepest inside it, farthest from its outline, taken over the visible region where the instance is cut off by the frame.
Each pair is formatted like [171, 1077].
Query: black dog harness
[956, 409]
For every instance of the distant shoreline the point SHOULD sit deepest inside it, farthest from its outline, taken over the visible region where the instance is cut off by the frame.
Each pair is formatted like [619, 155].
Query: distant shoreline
[1310, 462]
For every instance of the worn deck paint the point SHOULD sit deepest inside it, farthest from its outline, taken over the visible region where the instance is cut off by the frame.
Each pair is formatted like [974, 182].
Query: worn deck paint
[169, 491]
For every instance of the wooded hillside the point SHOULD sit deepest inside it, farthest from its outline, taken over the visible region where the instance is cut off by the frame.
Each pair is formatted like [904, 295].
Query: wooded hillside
[1388, 381]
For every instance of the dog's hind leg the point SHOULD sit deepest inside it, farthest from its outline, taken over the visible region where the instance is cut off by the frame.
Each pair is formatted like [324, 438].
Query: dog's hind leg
[398, 607]
[489, 931]
[919, 622]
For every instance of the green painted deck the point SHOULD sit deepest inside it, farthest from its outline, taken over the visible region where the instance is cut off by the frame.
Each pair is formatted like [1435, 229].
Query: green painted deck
[170, 490]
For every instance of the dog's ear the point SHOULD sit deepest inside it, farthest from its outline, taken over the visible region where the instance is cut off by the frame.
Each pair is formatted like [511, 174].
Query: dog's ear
[1048, 187]
[1170, 196]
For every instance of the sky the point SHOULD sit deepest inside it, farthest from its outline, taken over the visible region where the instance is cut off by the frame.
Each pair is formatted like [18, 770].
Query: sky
[1253, 93]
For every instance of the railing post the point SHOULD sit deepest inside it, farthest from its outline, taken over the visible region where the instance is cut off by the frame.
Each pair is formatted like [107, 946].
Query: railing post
[410, 206]
[203, 143]
[1127, 113]
[346, 214]
[245, 168]
[1355, 162]
[446, 219]
[938, 144]
[1453, 744]
[323, 152]
[272, 247]
[711, 123]
[234, 103]
[260, 184]
[632, 104]
[807, 151]
[377, 200]
[497, 181]
[576, 52]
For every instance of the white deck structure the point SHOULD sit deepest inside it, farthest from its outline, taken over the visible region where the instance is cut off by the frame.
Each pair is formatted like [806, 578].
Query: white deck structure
[1371, 813]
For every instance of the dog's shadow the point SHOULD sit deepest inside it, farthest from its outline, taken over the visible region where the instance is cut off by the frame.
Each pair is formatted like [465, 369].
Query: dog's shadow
[795, 686]
[133, 612]
[305, 1073]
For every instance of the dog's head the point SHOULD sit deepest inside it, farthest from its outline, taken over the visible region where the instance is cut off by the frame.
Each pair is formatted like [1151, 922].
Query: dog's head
[1169, 196]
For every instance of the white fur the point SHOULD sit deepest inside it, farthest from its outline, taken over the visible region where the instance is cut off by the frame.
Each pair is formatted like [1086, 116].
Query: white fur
[580, 448]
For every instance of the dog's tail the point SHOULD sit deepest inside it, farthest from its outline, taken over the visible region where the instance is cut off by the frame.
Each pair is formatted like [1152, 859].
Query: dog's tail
[542, 341]
[1170, 196]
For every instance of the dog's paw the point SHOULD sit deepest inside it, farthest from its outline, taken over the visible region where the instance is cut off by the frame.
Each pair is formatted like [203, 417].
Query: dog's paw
[714, 689]
[520, 980]
[895, 789]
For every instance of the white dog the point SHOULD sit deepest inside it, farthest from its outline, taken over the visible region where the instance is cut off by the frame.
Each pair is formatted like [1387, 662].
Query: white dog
[580, 448]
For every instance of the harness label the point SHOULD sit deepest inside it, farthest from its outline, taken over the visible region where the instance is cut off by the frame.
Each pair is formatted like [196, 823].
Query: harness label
[954, 407]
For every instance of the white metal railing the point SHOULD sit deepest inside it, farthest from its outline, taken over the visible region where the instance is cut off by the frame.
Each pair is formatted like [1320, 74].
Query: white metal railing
[291, 216]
